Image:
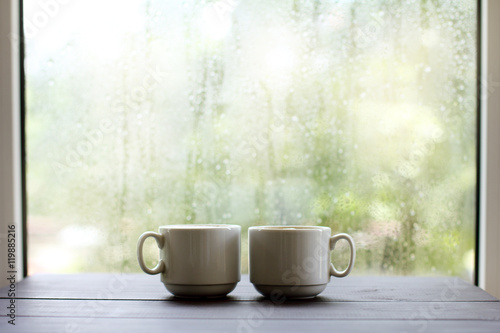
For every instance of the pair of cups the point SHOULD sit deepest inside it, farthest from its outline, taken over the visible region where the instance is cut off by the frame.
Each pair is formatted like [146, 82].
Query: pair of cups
[204, 260]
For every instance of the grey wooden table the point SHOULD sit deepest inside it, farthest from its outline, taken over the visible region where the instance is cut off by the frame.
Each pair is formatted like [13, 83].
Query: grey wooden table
[140, 303]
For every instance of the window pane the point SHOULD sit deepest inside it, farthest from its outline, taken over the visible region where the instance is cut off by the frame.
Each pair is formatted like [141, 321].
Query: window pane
[358, 115]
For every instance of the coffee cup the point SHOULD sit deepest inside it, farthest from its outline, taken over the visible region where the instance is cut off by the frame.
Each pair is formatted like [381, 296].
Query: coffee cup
[199, 260]
[293, 261]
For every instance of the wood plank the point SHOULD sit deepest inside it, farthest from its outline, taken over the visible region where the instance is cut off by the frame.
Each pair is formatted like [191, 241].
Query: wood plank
[351, 289]
[242, 326]
[264, 309]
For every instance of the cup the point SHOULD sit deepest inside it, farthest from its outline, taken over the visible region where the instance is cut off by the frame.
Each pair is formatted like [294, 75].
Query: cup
[199, 260]
[293, 261]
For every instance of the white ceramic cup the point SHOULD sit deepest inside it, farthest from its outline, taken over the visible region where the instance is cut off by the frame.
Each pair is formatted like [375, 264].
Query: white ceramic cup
[293, 261]
[198, 260]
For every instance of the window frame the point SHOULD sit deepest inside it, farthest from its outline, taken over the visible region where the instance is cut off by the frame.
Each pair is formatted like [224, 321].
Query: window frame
[488, 232]
[12, 143]
[12, 166]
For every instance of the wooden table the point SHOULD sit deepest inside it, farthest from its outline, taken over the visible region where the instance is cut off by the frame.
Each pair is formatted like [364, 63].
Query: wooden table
[140, 303]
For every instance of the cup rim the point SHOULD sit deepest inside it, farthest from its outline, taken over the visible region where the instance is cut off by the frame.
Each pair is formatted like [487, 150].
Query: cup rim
[288, 228]
[199, 226]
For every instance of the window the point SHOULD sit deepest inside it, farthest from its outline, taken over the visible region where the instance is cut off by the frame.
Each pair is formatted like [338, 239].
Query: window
[354, 115]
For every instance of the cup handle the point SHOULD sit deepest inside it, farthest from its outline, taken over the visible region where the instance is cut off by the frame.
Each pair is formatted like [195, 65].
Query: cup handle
[333, 241]
[160, 267]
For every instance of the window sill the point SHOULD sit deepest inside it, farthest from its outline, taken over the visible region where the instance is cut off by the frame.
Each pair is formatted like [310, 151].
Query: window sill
[129, 302]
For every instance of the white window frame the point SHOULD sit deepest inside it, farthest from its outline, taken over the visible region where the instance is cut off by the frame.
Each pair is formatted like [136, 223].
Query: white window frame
[11, 194]
[489, 183]
[11, 197]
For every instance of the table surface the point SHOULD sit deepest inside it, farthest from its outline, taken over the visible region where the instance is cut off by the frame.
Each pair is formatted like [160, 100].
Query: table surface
[140, 303]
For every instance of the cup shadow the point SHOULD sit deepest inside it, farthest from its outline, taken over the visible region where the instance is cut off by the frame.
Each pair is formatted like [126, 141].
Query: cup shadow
[199, 300]
[298, 301]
